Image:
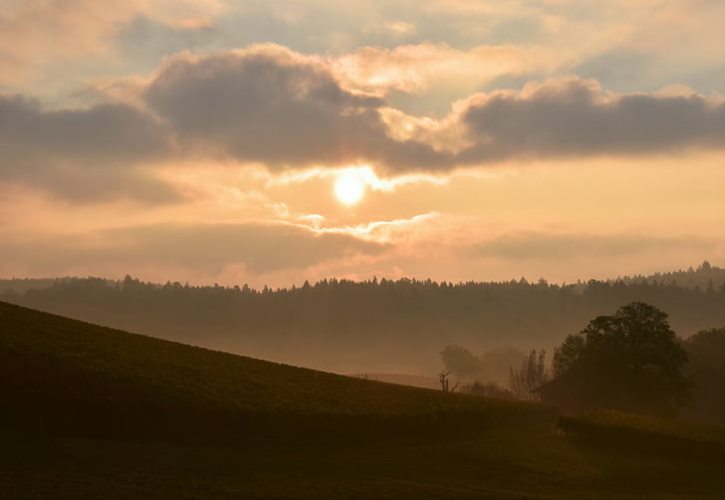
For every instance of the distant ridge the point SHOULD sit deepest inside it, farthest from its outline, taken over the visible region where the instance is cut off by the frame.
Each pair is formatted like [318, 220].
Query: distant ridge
[376, 326]
[705, 276]
[701, 276]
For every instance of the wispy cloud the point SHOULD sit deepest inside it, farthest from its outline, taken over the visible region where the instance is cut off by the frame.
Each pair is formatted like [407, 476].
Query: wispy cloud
[555, 247]
[203, 250]
[34, 33]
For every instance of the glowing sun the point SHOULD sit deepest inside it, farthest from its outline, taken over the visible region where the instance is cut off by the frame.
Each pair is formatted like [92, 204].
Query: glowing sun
[349, 188]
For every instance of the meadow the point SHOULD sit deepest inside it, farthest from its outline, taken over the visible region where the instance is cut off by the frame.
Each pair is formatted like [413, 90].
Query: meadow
[94, 412]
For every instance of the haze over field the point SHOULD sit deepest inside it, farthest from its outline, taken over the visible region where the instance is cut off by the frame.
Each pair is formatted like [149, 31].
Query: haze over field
[380, 326]
[271, 143]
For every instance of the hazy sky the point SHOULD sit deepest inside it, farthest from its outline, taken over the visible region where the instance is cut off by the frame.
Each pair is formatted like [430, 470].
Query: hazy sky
[226, 141]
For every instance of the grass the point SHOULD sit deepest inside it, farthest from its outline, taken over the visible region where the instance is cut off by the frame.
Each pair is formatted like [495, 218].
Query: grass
[77, 378]
[667, 435]
[91, 412]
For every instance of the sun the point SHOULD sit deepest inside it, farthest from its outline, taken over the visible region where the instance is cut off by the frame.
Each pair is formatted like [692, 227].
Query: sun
[349, 188]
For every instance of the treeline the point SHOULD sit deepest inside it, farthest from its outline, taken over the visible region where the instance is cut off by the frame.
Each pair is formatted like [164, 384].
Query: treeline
[377, 325]
[705, 277]
[22, 285]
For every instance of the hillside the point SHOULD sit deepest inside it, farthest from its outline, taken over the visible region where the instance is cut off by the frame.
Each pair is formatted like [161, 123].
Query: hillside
[90, 412]
[77, 377]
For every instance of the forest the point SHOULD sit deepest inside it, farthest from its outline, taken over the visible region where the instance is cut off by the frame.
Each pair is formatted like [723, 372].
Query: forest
[376, 325]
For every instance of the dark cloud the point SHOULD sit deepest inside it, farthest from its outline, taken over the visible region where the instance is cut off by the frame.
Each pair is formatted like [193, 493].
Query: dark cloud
[81, 154]
[197, 248]
[576, 118]
[278, 108]
[107, 133]
[265, 104]
[270, 105]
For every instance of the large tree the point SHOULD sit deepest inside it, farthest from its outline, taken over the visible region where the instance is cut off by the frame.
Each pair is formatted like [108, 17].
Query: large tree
[630, 361]
[460, 361]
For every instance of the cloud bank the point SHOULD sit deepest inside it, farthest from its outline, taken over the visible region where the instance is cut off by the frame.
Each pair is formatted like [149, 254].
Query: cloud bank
[82, 154]
[269, 105]
[574, 117]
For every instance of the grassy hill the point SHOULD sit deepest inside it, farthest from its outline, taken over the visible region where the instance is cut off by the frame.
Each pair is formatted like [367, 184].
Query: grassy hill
[67, 376]
[90, 412]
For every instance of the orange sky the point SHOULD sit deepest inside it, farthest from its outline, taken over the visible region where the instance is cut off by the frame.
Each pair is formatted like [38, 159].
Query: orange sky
[201, 141]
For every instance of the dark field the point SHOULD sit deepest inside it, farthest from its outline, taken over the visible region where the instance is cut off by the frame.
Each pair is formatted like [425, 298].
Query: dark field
[93, 412]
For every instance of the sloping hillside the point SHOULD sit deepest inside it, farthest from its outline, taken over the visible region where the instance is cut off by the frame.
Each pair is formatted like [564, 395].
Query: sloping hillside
[64, 375]
[90, 412]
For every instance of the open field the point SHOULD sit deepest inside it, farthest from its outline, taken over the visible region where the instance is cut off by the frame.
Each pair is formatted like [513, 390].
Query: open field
[93, 412]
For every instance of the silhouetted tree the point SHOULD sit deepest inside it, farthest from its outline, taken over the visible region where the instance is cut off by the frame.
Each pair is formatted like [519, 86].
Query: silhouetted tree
[445, 381]
[630, 361]
[531, 375]
[460, 361]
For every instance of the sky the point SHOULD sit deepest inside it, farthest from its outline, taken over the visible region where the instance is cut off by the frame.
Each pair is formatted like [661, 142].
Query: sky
[273, 142]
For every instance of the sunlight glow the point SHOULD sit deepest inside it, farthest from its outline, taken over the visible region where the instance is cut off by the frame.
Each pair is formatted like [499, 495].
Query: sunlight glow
[349, 187]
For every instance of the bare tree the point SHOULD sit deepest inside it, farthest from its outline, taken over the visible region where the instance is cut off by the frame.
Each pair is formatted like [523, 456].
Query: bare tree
[532, 374]
[443, 378]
